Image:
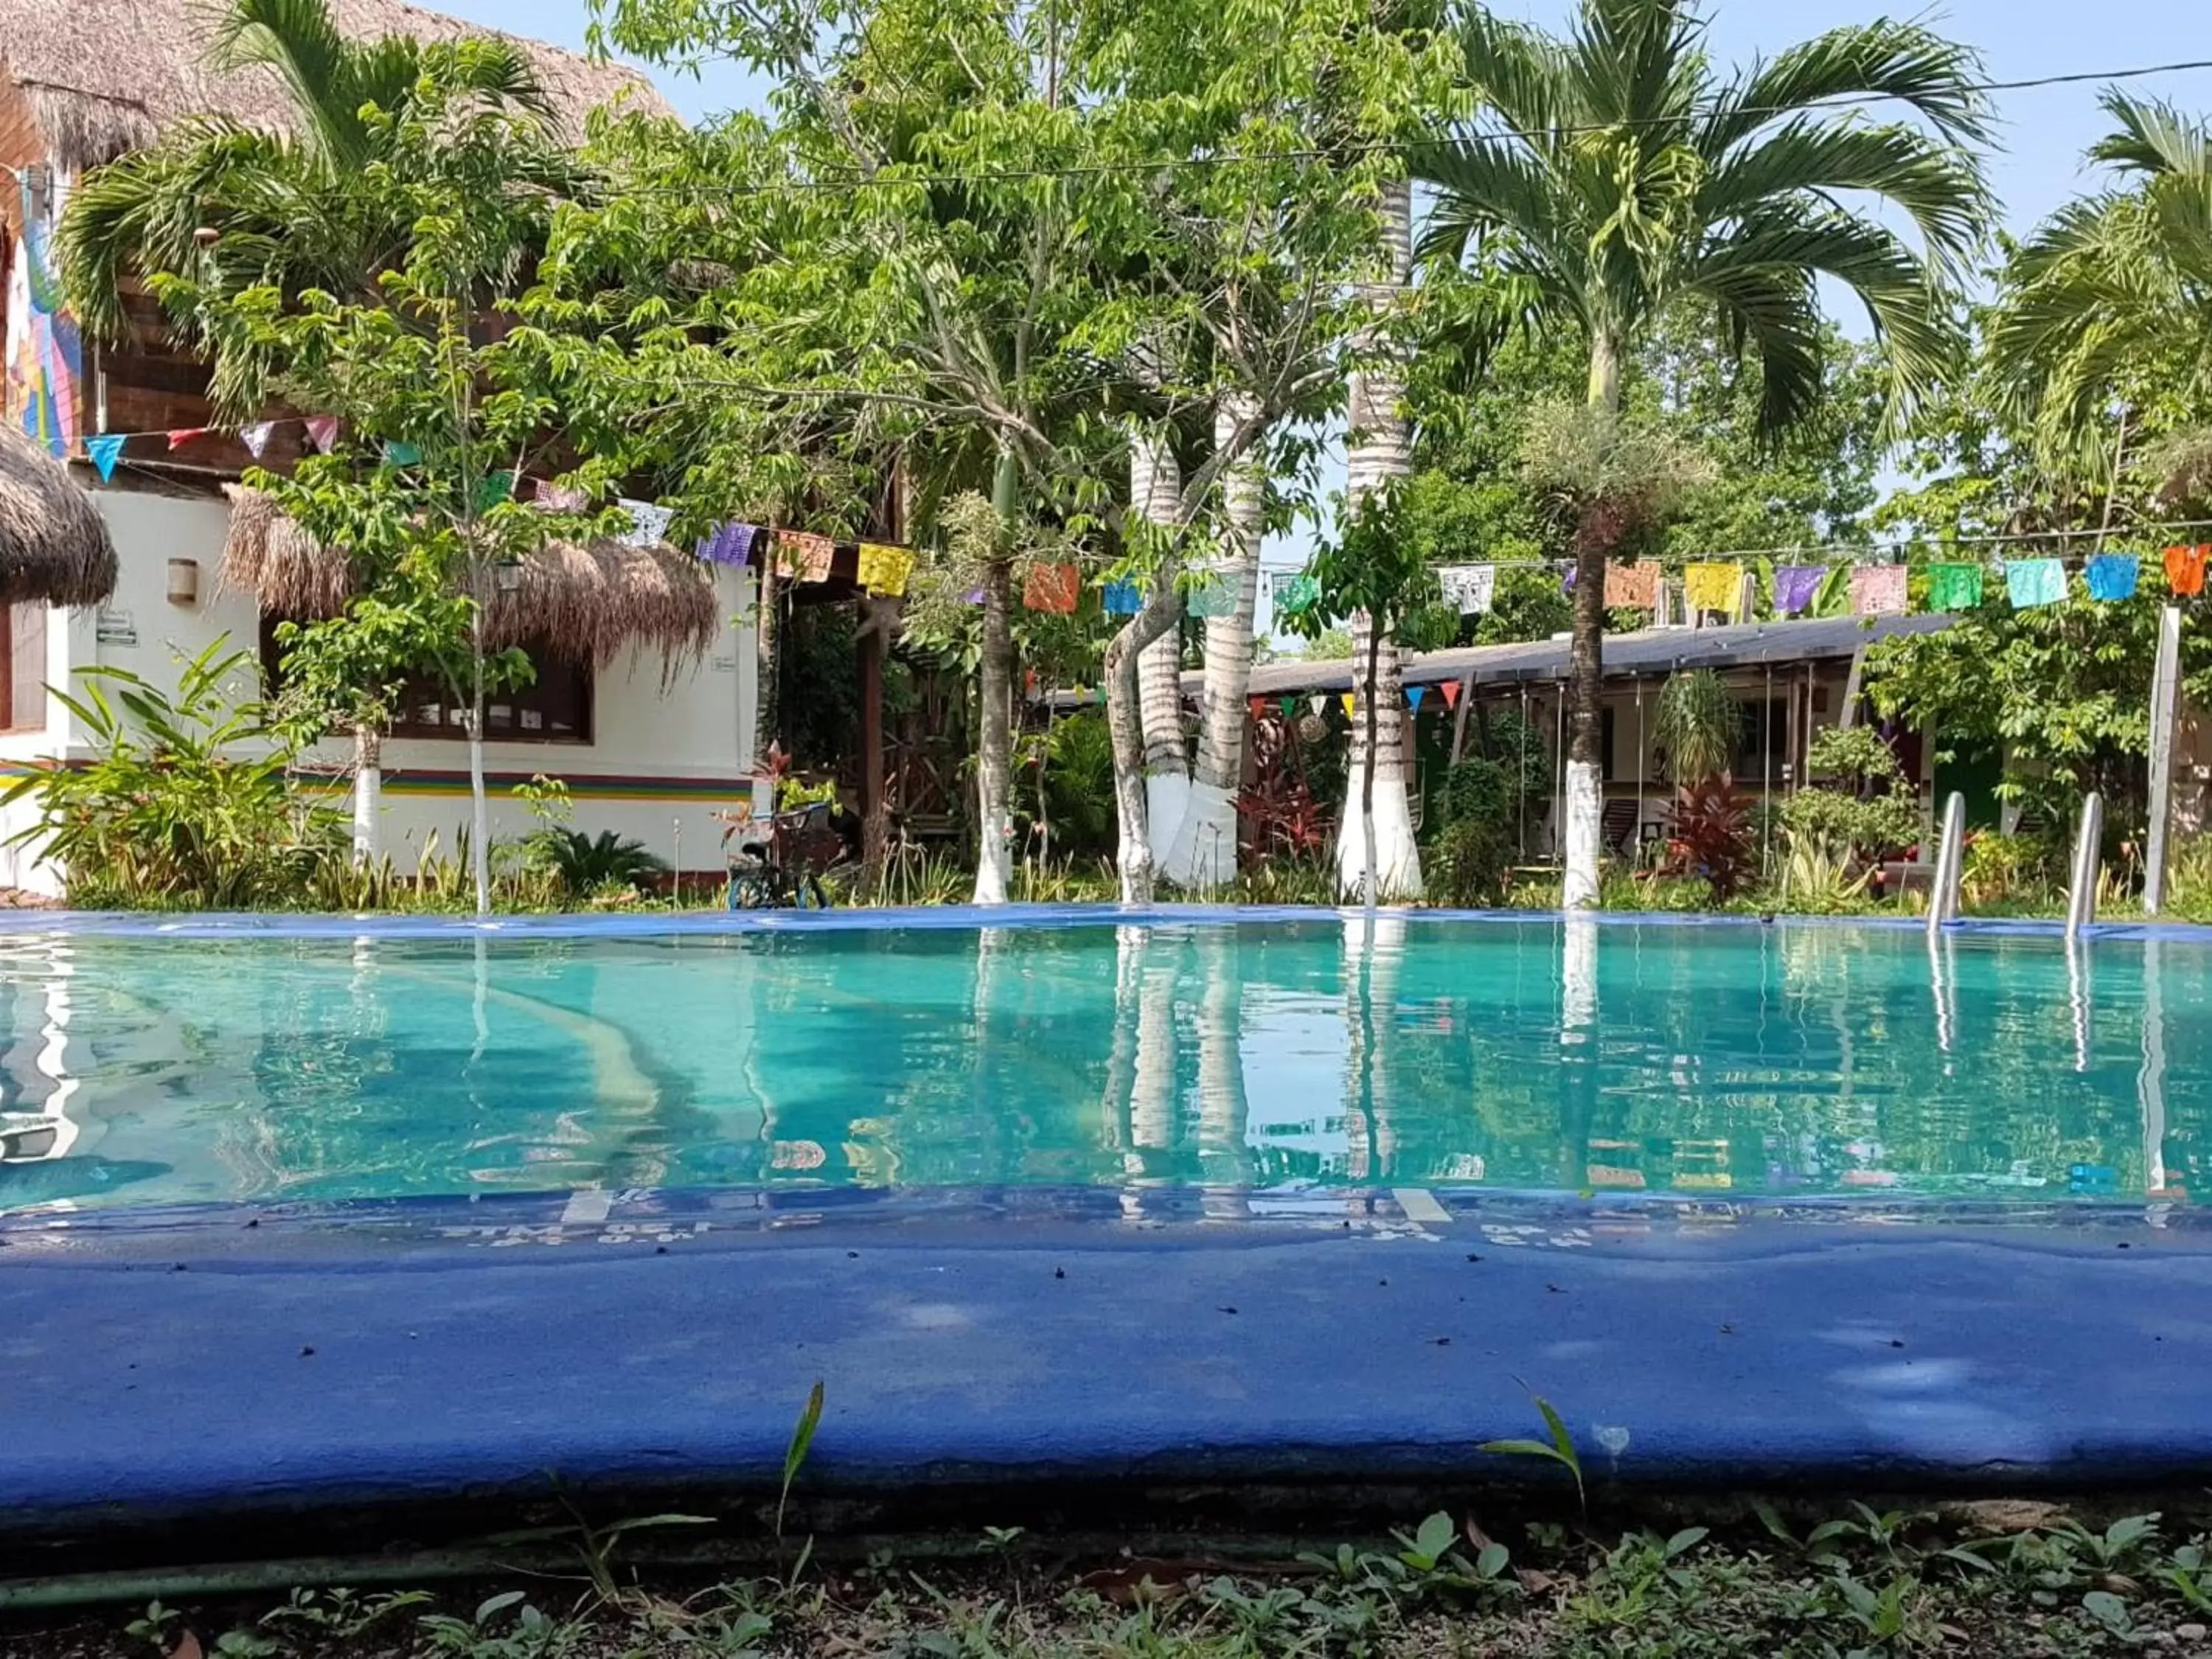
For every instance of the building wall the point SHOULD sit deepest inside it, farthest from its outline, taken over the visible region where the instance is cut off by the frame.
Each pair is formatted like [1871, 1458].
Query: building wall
[660, 758]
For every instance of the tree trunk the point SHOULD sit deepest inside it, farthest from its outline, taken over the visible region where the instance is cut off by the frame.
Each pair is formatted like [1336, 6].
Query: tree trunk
[367, 795]
[479, 806]
[1124, 722]
[1584, 786]
[1155, 489]
[1380, 452]
[994, 824]
[1204, 855]
[765, 643]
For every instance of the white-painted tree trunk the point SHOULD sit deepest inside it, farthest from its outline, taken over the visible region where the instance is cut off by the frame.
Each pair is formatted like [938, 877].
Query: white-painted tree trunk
[994, 818]
[1584, 837]
[1203, 854]
[1374, 951]
[367, 795]
[1155, 489]
[1380, 451]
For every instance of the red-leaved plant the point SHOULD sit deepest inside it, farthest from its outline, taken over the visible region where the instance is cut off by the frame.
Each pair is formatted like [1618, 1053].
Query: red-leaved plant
[1710, 835]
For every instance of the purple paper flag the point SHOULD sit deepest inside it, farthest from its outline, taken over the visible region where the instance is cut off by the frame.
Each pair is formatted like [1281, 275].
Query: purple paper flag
[731, 544]
[1796, 586]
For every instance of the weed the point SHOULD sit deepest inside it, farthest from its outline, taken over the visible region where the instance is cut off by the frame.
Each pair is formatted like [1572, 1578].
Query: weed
[489, 1634]
[153, 1625]
[1560, 1449]
[794, 1454]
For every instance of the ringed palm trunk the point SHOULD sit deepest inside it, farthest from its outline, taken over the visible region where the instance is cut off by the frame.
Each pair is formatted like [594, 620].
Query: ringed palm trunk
[1204, 852]
[1584, 786]
[1155, 491]
[1162, 614]
[1377, 807]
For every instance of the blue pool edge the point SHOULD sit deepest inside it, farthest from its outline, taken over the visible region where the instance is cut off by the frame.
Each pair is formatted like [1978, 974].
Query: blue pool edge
[301, 1362]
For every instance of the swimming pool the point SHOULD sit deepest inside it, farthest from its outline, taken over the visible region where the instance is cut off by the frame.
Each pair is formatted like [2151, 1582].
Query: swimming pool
[1505, 1054]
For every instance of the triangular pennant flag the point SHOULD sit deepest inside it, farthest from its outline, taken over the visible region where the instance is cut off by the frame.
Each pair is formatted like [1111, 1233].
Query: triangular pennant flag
[1450, 689]
[1319, 703]
[104, 452]
[322, 432]
[256, 437]
[1347, 703]
[1414, 696]
[1259, 708]
[400, 453]
[180, 436]
[1289, 709]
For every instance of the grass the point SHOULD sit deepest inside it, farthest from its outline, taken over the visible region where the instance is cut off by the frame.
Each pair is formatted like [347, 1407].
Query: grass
[1989, 1581]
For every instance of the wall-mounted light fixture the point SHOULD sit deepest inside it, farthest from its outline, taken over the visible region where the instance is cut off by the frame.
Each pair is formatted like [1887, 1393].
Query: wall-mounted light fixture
[184, 581]
[507, 577]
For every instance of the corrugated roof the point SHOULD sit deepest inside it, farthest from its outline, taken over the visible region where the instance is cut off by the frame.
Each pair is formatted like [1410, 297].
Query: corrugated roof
[1654, 651]
[106, 76]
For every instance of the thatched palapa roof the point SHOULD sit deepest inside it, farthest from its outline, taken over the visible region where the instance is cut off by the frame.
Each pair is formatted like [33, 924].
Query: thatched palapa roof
[54, 545]
[585, 602]
[103, 76]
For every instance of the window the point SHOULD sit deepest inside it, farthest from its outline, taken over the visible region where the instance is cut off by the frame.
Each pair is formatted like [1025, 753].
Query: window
[554, 707]
[23, 673]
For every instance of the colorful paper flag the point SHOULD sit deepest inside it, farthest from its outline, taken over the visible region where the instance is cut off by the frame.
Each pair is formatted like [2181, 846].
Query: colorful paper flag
[1414, 694]
[1289, 709]
[1878, 589]
[1347, 704]
[884, 570]
[1259, 708]
[1211, 597]
[104, 452]
[400, 453]
[2032, 582]
[648, 523]
[802, 556]
[322, 432]
[1469, 589]
[180, 436]
[1954, 587]
[559, 497]
[1632, 586]
[1052, 589]
[1123, 598]
[1450, 689]
[256, 437]
[1795, 587]
[1319, 703]
[1714, 585]
[2111, 577]
[2185, 570]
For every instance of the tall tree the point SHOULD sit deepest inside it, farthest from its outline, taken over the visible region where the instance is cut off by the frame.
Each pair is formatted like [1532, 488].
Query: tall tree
[1614, 172]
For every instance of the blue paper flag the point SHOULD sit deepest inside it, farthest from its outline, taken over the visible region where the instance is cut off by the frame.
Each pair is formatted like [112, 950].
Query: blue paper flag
[1122, 599]
[105, 451]
[402, 453]
[1413, 696]
[2113, 577]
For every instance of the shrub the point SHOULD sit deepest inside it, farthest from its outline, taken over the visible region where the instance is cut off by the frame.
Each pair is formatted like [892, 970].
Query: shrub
[1471, 854]
[587, 866]
[1711, 837]
[2001, 870]
[1860, 809]
[168, 813]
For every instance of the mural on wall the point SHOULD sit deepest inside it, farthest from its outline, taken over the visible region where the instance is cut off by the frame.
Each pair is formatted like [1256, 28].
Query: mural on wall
[45, 355]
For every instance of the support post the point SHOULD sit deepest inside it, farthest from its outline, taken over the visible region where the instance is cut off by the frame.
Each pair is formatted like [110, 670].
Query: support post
[1847, 715]
[1943, 898]
[875, 817]
[2089, 866]
[2165, 712]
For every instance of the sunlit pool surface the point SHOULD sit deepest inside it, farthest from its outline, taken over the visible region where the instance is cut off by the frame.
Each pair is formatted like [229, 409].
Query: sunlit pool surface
[1510, 1056]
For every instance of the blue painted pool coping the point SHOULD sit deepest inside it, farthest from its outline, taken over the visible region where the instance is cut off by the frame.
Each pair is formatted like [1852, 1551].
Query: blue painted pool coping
[281, 925]
[289, 1360]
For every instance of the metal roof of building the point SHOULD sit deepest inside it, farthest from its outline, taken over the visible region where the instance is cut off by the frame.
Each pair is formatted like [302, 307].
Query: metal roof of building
[1651, 651]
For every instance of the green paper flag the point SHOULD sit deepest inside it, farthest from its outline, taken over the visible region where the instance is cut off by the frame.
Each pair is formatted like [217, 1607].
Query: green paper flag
[1954, 587]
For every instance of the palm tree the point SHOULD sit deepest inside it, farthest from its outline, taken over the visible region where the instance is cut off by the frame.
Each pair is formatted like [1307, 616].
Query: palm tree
[2110, 301]
[274, 202]
[1611, 172]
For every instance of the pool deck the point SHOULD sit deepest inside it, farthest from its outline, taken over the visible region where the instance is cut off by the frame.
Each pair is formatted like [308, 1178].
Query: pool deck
[290, 1361]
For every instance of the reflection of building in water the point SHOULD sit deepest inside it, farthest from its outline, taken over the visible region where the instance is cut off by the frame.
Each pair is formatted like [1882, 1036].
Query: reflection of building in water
[35, 1081]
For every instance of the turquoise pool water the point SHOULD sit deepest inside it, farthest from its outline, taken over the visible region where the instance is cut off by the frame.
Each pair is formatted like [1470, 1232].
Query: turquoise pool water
[1505, 1055]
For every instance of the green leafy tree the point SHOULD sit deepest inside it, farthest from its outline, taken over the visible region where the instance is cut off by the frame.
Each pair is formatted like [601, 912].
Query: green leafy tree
[440, 418]
[1612, 172]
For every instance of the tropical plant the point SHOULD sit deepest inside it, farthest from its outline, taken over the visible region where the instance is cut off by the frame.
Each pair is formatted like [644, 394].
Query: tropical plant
[1473, 852]
[1816, 879]
[1710, 835]
[185, 800]
[1611, 174]
[2108, 305]
[279, 199]
[586, 864]
[1698, 722]
[1857, 807]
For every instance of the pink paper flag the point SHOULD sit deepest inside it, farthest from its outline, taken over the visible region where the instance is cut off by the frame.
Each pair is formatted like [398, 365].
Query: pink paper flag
[180, 436]
[323, 432]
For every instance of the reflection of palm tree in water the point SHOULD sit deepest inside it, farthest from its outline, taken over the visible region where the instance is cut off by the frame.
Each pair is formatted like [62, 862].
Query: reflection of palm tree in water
[1578, 1043]
[1153, 1085]
[1224, 1156]
[1374, 952]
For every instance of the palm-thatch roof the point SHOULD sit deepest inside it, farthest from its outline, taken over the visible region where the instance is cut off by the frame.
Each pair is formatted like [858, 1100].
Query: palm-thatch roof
[583, 602]
[103, 76]
[54, 545]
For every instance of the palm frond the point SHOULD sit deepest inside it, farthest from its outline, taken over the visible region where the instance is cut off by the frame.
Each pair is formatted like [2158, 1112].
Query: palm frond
[1774, 313]
[1485, 182]
[1519, 74]
[2153, 138]
[300, 42]
[1937, 78]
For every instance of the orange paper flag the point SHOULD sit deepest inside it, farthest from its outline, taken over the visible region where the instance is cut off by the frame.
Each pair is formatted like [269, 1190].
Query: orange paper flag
[2185, 570]
[1052, 589]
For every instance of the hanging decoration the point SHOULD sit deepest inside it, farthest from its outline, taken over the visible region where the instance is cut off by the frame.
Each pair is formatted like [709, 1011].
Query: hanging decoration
[2030, 583]
[1450, 689]
[1319, 703]
[801, 555]
[1052, 589]
[1469, 589]
[1347, 705]
[731, 544]
[648, 523]
[398, 452]
[1795, 587]
[1413, 695]
[1714, 586]
[497, 490]
[2111, 577]
[1954, 587]
[180, 436]
[256, 437]
[2185, 570]
[1289, 709]
[1632, 586]
[322, 432]
[1259, 708]
[1878, 589]
[1211, 597]
[559, 497]
[1123, 598]
[104, 452]
[885, 570]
